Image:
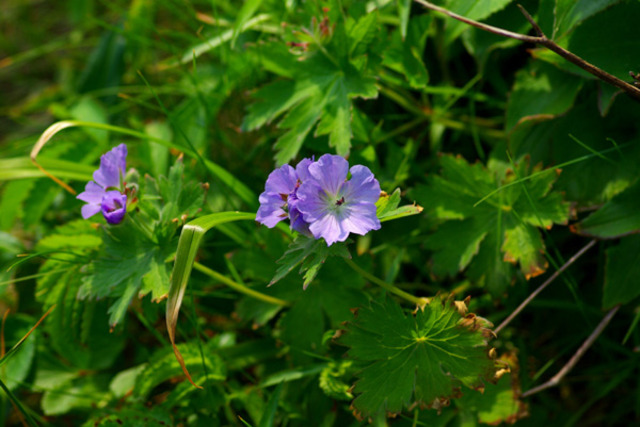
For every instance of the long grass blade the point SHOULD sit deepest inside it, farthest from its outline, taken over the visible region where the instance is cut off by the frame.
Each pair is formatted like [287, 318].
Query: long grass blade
[190, 238]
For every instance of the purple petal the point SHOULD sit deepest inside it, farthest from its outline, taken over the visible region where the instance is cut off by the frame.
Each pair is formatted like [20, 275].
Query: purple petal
[329, 171]
[362, 186]
[328, 227]
[360, 218]
[92, 193]
[271, 209]
[282, 181]
[112, 167]
[302, 169]
[90, 210]
[114, 206]
[297, 220]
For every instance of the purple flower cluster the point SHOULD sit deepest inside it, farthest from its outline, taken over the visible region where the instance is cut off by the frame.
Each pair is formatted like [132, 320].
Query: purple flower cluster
[105, 192]
[319, 200]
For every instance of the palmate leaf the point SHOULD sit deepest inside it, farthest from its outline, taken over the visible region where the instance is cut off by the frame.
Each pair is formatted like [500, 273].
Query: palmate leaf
[324, 81]
[500, 231]
[419, 359]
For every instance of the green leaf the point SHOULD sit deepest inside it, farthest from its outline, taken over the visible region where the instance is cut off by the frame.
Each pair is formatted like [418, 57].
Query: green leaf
[593, 39]
[404, 9]
[421, 359]
[246, 12]
[83, 392]
[570, 13]
[471, 9]
[618, 217]
[387, 207]
[163, 366]
[272, 406]
[121, 270]
[404, 53]
[330, 73]
[621, 272]
[498, 403]
[503, 228]
[14, 370]
[133, 416]
[541, 92]
[310, 254]
[330, 380]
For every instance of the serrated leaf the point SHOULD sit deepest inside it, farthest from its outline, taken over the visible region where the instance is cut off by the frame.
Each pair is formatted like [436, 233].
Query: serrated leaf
[618, 217]
[325, 80]
[422, 359]
[490, 233]
[622, 270]
[310, 254]
[120, 270]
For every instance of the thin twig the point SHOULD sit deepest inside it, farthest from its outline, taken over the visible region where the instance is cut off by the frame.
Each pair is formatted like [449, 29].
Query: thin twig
[542, 40]
[576, 357]
[547, 282]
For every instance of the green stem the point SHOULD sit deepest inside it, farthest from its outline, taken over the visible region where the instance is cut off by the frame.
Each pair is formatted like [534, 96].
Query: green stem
[387, 286]
[238, 287]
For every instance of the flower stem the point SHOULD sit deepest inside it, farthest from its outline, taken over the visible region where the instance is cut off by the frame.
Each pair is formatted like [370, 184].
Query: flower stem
[387, 286]
[239, 287]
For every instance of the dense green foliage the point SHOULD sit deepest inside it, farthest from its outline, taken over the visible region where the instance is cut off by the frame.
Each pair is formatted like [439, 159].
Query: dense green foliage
[498, 160]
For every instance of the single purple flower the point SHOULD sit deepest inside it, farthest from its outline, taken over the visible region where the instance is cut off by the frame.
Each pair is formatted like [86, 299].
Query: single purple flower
[99, 197]
[334, 207]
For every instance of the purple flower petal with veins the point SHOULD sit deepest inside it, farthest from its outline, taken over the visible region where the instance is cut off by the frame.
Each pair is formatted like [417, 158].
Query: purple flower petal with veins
[334, 207]
[110, 174]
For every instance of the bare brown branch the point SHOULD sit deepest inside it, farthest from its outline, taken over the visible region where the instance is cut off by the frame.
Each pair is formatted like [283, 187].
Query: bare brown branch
[541, 40]
[577, 356]
[546, 283]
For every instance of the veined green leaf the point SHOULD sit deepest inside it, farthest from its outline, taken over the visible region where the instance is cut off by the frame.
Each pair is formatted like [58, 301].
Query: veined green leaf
[421, 359]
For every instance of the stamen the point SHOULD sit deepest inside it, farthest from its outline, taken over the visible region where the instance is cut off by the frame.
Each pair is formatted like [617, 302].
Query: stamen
[340, 202]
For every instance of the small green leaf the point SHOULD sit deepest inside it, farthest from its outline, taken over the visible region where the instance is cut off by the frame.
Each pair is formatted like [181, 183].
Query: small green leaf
[421, 359]
[387, 207]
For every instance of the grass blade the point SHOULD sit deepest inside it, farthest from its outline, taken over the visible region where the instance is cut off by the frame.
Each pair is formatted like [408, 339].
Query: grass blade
[190, 238]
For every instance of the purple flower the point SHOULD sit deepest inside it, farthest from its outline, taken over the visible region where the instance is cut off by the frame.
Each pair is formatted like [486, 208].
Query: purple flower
[105, 194]
[334, 207]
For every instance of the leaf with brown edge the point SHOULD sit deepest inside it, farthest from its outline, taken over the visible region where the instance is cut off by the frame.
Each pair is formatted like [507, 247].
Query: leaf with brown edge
[422, 359]
[500, 402]
[494, 214]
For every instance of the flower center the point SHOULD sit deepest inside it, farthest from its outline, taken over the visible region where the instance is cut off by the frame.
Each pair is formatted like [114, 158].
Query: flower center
[340, 202]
